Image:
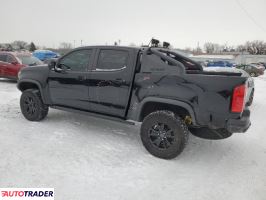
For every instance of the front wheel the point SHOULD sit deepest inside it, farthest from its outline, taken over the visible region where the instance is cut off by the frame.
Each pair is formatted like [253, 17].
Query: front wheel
[164, 134]
[32, 106]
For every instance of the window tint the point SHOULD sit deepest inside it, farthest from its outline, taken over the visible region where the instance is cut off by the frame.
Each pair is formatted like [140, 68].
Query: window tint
[3, 58]
[78, 60]
[112, 59]
[10, 59]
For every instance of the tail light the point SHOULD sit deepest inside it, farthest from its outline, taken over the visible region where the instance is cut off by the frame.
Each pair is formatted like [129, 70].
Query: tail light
[238, 101]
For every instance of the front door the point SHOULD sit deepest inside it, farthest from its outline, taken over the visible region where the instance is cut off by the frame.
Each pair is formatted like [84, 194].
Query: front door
[110, 81]
[68, 82]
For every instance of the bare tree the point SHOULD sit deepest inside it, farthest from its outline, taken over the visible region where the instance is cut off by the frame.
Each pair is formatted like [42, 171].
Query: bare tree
[19, 45]
[210, 48]
[253, 47]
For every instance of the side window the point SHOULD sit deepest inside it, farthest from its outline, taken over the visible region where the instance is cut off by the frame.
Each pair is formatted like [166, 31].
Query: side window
[3, 58]
[112, 60]
[10, 59]
[77, 60]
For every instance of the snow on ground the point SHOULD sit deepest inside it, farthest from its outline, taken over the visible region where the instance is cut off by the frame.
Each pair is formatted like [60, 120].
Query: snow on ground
[89, 158]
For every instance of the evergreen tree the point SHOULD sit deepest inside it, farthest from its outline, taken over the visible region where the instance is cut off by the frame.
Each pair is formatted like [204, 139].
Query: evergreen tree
[32, 47]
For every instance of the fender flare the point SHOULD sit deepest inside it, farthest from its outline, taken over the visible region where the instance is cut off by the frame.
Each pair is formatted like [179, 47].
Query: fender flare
[165, 101]
[33, 82]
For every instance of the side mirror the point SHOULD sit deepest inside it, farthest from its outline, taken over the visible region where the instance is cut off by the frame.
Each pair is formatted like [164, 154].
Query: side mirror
[14, 62]
[52, 64]
[61, 68]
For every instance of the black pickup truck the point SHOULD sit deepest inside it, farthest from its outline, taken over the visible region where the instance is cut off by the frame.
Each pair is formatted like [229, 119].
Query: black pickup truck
[169, 93]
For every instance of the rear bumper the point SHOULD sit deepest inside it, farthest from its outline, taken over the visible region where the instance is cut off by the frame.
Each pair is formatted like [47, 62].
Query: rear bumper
[240, 125]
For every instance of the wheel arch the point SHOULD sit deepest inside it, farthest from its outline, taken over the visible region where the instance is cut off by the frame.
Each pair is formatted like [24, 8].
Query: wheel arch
[29, 84]
[151, 104]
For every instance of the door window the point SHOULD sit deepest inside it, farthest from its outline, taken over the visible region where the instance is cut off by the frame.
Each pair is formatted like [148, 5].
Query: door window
[10, 59]
[3, 58]
[77, 60]
[111, 60]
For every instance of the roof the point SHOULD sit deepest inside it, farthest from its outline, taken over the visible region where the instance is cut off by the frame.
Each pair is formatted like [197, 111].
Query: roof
[16, 53]
[111, 46]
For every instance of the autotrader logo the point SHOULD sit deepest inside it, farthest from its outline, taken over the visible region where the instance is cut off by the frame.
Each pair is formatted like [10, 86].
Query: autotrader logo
[26, 193]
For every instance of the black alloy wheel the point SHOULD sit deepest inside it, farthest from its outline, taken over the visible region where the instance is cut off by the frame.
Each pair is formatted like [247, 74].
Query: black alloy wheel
[161, 136]
[32, 106]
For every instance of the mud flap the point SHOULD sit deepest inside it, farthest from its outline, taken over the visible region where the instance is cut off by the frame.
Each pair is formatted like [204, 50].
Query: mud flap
[211, 134]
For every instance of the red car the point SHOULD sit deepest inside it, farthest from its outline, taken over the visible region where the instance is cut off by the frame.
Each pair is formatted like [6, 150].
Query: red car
[11, 63]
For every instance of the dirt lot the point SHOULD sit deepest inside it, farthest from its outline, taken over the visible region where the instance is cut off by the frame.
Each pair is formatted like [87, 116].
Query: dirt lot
[88, 158]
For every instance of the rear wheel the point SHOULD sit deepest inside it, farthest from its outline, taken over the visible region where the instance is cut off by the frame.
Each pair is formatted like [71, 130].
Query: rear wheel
[164, 134]
[32, 106]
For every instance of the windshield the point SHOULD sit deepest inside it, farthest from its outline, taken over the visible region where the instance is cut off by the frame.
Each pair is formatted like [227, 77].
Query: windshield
[30, 60]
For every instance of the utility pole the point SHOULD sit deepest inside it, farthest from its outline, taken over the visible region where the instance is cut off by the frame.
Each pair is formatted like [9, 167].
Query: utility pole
[80, 42]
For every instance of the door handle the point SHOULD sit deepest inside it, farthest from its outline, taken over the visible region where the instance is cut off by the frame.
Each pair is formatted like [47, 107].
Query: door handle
[81, 78]
[121, 81]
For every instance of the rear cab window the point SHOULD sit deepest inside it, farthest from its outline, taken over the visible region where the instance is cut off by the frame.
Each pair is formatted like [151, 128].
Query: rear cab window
[112, 60]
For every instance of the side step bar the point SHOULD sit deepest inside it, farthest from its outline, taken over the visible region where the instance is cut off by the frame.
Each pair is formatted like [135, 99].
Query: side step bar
[93, 114]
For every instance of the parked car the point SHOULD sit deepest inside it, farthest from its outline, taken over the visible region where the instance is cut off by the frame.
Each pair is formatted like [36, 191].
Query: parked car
[259, 65]
[11, 63]
[28, 60]
[167, 92]
[219, 64]
[263, 64]
[45, 54]
[250, 81]
[252, 69]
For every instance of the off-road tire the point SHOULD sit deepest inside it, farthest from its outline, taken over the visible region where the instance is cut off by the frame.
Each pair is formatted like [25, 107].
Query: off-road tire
[32, 106]
[175, 127]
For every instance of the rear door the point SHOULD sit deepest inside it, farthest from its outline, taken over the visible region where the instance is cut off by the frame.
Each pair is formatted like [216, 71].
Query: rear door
[69, 83]
[110, 80]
